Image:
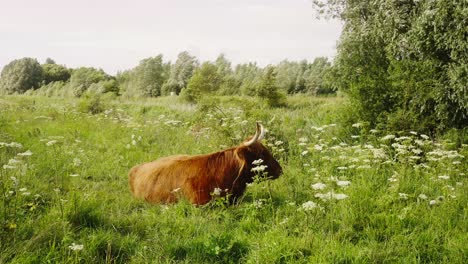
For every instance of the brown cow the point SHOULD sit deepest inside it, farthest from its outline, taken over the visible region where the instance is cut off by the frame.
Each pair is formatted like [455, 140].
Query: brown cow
[197, 178]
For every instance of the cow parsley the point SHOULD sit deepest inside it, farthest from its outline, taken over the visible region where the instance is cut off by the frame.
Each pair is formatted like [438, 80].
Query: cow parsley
[217, 191]
[76, 247]
[388, 137]
[343, 183]
[259, 168]
[422, 196]
[257, 162]
[309, 205]
[26, 153]
[52, 142]
[318, 186]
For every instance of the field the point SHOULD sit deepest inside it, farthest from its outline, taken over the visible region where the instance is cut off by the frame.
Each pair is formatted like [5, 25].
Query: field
[349, 193]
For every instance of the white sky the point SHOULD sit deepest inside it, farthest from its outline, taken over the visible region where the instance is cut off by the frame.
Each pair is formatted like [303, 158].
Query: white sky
[115, 34]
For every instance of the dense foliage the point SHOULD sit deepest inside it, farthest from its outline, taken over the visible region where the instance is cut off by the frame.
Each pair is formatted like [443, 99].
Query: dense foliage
[404, 62]
[154, 77]
[20, 75]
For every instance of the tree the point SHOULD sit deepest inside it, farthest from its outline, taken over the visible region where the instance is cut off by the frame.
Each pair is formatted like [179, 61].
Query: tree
[20, 75]
[147, 78]
[315, 77]
[54, 72]
[269, 90]
[82, 78]
[248, 76]
[404, 61]
[204, 81]
[180, 73]
[49, 61]
[289, 76]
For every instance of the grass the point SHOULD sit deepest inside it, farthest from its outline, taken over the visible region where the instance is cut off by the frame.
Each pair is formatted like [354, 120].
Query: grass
[384, 199]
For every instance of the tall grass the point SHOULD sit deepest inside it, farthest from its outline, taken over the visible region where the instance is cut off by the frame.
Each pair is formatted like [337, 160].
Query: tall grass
[348, 194]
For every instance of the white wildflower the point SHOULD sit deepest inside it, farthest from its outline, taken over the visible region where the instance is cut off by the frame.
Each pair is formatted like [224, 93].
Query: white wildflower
[354, 136]
[373, 131]
[303, 153]
[422, 196]
[217, 191]
[424, 136]
[417, 151]
[14, 180]
[413, 132]
[340, 196]
[50, 143]
[76, 162]
[331, 195]
[308, 206]
[444, 177]
[26, 193]
[26, 153]
[279, 142]
[258, 203]
[402, 138]
[364, 166]
[342, 168]
[392, 179]
[259, 168]
[11, 145]
[134, 142]
[13, 162]
[23, 189]
[6, 167]
[318, 186]
[388, 137]
[318, 147]
[357, 125]
[450, 187]
[76, 247]
[432, 202]
[257, 162]
[343, 183]
[403, 196]
[74, 175]
[419, 142]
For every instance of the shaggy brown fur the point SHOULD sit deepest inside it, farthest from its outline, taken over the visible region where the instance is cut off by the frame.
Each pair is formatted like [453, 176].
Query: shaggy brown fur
[196, 177]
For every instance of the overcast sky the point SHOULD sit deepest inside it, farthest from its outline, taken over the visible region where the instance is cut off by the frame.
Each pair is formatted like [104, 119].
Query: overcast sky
[115, 34]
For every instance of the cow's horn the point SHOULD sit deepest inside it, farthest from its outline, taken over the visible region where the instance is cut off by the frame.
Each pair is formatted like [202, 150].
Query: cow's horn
[258, 135]
[262, 132]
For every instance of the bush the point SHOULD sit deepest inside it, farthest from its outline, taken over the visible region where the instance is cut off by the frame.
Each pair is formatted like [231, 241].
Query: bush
[91, 103]
[21, 75]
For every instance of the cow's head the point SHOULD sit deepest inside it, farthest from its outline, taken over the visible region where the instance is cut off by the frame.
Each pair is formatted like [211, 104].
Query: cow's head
[252, 150]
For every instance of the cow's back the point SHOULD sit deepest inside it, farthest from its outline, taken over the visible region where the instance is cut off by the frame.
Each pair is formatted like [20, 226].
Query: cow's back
[159, 180]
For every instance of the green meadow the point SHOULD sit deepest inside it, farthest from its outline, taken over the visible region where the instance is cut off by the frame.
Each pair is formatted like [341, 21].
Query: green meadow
[349, 193]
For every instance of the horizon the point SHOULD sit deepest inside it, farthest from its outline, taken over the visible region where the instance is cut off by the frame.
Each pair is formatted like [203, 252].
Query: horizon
[115, 36]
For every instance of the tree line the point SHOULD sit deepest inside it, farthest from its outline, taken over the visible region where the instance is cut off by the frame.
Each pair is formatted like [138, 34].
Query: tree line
[187, 76]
